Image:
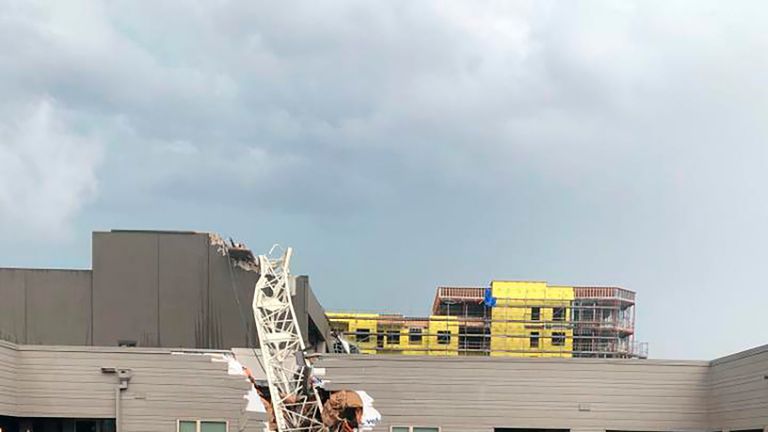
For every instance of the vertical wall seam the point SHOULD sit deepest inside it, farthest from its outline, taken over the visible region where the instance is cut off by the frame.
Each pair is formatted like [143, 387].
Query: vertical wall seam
[26, 309]
[207, 310]
[157, 284]
[89, 337]
[93, 277]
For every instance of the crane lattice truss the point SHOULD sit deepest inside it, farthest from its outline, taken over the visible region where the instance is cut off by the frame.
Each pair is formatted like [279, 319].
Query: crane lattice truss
[296, 403]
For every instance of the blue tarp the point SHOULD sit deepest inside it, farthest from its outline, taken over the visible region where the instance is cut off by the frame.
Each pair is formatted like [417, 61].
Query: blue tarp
[488, 299]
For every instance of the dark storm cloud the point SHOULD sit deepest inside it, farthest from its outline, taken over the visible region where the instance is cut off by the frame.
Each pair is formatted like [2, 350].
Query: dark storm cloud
[406, 144]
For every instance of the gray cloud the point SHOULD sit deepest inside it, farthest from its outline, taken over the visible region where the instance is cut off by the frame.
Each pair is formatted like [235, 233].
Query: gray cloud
[401, 145]
[47, 172]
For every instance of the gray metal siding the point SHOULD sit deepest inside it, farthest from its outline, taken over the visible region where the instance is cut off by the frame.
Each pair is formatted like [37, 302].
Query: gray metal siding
[471, 394]
[739, 396]
[456, 394]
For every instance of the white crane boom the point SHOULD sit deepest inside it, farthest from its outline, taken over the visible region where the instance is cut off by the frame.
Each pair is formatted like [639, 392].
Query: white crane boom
[295, 401]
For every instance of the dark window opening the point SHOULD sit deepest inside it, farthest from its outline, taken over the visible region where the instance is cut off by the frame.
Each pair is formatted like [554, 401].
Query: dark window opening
[443, 337]
[535, 314]
[52, 424]
[474, 340]
[363, 335]
[393, 337]
[558, 314]
[468, 309]
[126, 343]
[414, 335]
[534, 339]
[558, 339]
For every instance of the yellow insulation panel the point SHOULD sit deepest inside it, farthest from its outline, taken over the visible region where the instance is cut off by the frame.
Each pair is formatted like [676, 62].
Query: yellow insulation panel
[443, 336]
[522, 322]
[360, 328]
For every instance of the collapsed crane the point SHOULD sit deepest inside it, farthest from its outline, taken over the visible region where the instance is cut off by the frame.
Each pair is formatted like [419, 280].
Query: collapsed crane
[293, 398]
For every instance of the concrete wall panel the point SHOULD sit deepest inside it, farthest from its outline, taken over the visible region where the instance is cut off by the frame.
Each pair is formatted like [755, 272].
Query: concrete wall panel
[13, 300]
[231, 325]
[125, 288]
[59, 307]
[183, 285]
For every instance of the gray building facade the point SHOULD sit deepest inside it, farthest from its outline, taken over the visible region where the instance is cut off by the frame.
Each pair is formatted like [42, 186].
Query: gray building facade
[146, 289]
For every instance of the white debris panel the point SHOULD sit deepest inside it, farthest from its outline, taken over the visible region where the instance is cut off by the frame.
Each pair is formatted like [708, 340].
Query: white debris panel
[352, 408]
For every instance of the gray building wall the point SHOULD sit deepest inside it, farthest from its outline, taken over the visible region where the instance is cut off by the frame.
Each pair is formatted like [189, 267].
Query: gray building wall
[67, 382]
[41, 306]
[154, 288]
[175, 289]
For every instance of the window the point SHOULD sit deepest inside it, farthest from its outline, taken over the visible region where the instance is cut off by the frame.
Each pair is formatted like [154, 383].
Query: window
[558, 339]
[202, 426]
[558, 314]
[414, 335]
[535, 314]
[534, 339]
[393, 337]
[213, 426]
[363, 335]
[443, 337]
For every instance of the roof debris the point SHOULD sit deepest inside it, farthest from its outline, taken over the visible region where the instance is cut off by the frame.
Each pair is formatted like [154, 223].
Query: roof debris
[343, 410]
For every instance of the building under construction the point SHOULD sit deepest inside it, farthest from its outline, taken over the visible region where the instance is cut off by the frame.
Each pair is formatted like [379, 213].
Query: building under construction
[508, 318]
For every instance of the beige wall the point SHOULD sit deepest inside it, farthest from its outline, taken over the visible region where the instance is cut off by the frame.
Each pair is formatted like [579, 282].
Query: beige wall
[455, 393]
[739, 390]
[40, 381]
[7, 379]
[476, 394]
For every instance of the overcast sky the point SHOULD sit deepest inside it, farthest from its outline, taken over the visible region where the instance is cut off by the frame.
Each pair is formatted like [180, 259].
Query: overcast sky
[401, 145]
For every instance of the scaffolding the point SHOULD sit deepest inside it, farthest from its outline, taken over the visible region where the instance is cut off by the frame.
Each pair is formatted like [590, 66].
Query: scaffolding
[573, 322]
